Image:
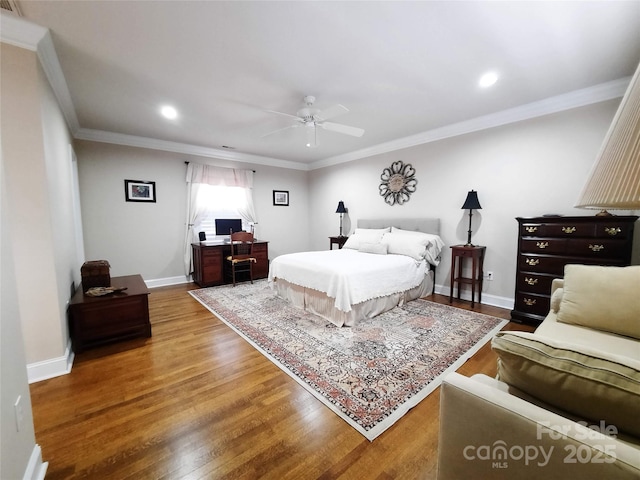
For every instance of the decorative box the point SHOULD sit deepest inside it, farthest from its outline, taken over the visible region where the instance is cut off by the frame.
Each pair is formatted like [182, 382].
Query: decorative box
[95, 273]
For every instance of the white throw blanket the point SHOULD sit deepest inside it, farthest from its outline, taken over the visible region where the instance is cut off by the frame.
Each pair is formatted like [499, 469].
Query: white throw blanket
[349, 276]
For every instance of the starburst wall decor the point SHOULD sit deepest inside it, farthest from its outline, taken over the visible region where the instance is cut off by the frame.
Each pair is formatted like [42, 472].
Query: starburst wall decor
[398, 182]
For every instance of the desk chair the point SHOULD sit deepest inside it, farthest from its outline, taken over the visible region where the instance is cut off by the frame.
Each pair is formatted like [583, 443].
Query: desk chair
[241, 258]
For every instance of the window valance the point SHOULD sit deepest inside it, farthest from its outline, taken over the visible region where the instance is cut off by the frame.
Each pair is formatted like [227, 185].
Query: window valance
[219, 176]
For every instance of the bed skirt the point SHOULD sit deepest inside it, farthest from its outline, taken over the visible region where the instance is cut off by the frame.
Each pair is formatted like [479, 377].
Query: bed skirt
[320, 304]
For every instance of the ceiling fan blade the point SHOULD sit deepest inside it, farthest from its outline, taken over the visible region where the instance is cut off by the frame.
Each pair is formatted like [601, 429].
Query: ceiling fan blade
[280, 130]
[285, 114]
[339, 128]
[331, 112]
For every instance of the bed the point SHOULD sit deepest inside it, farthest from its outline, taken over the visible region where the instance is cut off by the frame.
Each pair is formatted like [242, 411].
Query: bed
[385, 263]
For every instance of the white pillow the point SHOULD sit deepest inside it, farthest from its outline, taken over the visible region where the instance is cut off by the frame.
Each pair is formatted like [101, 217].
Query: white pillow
[365, 235]
[413, 246]
[377, 248]
[433, 247]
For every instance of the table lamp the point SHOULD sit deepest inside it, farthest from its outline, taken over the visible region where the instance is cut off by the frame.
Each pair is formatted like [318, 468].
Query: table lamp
[470, 204]
[341, 210]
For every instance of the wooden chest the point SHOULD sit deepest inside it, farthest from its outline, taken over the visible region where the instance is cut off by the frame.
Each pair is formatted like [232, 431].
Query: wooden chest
[95, 273]
[95, 321]
[547, 244]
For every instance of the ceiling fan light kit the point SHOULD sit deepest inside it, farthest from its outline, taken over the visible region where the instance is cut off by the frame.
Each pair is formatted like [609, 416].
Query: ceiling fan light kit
[312, 118]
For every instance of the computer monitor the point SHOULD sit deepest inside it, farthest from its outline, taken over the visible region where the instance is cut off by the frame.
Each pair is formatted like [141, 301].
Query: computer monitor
[225, 225]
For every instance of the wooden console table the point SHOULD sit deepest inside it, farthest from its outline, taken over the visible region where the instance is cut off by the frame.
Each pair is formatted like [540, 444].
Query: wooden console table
[118, 316]
[209, 261]
[476, 253]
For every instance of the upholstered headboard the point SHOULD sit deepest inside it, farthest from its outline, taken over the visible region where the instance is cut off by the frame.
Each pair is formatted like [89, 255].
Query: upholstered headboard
[425, 225]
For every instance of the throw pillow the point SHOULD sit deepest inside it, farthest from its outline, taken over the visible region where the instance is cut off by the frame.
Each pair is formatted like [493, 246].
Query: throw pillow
[591, 384]
[603, 298]
[413, 246]
[433, 247]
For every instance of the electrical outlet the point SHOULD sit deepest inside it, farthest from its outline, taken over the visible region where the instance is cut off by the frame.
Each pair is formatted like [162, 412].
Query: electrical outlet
[489, 276]
[19, 413]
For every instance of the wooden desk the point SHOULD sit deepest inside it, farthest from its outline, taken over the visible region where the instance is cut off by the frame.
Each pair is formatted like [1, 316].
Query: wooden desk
[118, 316]
[209, 261]
[339, 240]
[476, 253]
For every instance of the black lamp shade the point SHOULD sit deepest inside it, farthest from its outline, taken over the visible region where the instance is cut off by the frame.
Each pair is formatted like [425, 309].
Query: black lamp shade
[472, 202]
[341, 208]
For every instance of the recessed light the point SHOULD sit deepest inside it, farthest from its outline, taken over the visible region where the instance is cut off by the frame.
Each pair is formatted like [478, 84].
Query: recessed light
[488, 79]
[169, 112]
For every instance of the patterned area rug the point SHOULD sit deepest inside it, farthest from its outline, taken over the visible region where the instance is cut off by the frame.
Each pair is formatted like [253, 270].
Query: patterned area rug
[371, 374]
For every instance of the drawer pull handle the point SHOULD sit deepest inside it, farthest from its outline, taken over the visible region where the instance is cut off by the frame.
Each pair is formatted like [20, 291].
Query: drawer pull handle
[568, 229]
[530, 301]
[596, 248]
[612, 230]
[532, 261]
[530, 281]
[542, 244]
[531, 229]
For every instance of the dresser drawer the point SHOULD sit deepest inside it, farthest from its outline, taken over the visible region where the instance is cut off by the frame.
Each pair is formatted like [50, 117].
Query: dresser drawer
[565, 229]
[614, 230]
[570, 230]
[532, 303]
[535, 283]
[542, 264]
[595, 248]
[543, 245]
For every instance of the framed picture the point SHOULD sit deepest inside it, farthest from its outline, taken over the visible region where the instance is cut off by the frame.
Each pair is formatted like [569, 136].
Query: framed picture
[139, 191]
[281, 197]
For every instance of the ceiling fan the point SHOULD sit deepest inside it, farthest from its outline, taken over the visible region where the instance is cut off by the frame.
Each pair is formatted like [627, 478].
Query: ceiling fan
[311, 118]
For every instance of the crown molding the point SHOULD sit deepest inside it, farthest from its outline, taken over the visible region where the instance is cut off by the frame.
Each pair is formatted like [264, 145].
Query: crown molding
[19, 32]
[24, 34]
[184, 148]
[52, 69]
[578, 98]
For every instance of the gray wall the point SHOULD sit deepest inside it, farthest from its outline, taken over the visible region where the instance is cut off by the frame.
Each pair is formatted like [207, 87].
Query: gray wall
[148, 238]
[528, 168]
[37, 245]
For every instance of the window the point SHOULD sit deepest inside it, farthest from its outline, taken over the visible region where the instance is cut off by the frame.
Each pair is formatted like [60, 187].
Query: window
[219, 202]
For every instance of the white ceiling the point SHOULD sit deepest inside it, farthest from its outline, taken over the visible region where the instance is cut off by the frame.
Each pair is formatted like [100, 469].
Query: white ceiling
[403, 69]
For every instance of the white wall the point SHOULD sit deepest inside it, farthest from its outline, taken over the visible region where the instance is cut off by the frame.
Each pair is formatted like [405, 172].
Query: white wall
[35, 143]
[148, 238]
[19, 455]
[529, 168]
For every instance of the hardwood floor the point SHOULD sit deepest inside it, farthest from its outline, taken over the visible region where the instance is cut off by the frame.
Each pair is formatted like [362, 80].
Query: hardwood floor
[196, 401]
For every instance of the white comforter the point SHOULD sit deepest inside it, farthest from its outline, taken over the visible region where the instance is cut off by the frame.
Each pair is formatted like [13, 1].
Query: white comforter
[349, 276]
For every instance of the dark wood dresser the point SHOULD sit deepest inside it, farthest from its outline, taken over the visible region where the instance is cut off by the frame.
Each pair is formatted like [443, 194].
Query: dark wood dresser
[209, 262]
[547, 244]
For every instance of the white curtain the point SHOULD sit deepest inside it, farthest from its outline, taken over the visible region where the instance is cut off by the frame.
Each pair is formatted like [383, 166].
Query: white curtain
[199, 174]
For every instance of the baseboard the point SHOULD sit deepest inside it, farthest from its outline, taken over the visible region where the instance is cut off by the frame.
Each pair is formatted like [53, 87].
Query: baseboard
[164, 282]
[487, 299]
[54, 367]
[36, 468]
